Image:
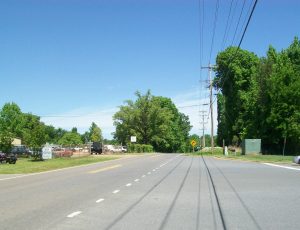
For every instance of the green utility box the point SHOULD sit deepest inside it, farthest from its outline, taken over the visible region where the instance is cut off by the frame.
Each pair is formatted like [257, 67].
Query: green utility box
[251, 146]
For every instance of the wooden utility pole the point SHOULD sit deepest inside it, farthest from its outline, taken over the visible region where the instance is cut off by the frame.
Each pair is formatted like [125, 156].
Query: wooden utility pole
[210, 67]
[202, 113]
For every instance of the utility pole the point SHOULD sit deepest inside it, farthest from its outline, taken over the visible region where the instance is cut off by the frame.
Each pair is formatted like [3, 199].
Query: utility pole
[202, 113]
[210, 67]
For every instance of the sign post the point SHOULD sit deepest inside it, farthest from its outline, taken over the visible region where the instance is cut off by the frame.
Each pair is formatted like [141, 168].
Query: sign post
[193, 143]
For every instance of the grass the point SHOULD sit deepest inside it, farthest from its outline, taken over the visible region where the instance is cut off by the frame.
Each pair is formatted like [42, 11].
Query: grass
[25, 165]
[260, 158]
[218, 153]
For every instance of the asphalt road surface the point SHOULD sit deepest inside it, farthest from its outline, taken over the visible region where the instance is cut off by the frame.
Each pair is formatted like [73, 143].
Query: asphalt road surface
[161, 191]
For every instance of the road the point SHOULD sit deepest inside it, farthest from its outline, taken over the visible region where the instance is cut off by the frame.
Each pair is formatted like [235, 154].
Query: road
[161, 191]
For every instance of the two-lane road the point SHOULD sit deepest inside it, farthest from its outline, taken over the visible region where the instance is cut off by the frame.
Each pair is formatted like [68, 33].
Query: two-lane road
[161, 191]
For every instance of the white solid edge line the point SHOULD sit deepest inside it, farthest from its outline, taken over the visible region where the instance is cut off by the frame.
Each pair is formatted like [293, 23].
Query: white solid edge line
[281, 166]
[116, 191]
[100, 200]
[128, 185]
[74, 214]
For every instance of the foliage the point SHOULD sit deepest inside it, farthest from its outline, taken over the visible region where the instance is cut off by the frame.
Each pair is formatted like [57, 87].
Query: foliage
[260, 98]
[139, 148]
[153, 120]
[70, 138]
[34, 133]
[95, 133]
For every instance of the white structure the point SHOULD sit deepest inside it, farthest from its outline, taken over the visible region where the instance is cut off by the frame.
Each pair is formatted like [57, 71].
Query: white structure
[47, 152]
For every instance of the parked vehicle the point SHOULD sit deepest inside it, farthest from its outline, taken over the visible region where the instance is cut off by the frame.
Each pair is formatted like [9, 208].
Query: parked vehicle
[11, 158]
[96, 148]
[20, 150]
[62, 152]
[296, 159]
[124, 149]
[115, 149]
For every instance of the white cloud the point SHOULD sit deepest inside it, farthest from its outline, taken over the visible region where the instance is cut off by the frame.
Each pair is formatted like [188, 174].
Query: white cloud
[187, 103]
[190, 104]
[82, 119]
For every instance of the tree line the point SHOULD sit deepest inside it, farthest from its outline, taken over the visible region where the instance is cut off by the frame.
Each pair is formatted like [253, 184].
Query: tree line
[155, 121]
[260, 97]
[34, 133]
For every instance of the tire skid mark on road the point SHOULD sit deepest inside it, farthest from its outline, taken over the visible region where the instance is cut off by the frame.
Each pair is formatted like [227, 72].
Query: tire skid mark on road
[239, 197]
[129, 184]
[165, 220]
[199, 197]
[216, 195]
[209, 185]
[131, 207]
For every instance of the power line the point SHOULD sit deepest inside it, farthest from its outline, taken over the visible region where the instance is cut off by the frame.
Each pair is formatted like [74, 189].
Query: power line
[247, 15]
[237, 26]
[227, 22]
[214, 29]
[239, 45]
[231, 21]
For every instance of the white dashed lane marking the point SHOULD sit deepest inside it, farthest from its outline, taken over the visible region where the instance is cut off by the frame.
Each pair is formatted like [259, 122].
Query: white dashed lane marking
[143, 176]
[100, 200]
[128, 185]
[116, 191]
[136, 180]
[74, 214]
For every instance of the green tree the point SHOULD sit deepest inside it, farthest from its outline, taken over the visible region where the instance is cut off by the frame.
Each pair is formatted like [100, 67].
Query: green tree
[50, 134]
[74, 130]
[235, 77]
[70, 138]
[153, 120]
[85, 137]
[10, 125]
[33, 130]
[95, 133]
[260, 98]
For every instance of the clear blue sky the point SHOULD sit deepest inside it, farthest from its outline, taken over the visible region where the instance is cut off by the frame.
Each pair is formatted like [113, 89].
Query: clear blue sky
[81, 57]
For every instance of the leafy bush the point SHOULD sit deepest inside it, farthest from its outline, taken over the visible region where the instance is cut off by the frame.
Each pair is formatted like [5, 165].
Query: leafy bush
[139, 148]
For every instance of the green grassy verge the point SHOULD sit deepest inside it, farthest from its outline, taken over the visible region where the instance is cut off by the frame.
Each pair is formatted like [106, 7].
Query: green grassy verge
[28, 166]
[218, 153]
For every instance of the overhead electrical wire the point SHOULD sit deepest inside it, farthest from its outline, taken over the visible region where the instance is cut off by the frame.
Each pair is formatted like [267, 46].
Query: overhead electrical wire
[214, 29]
[239, 45]
[247, 16]
[230, 22]
[227, 23]
[239, 20]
